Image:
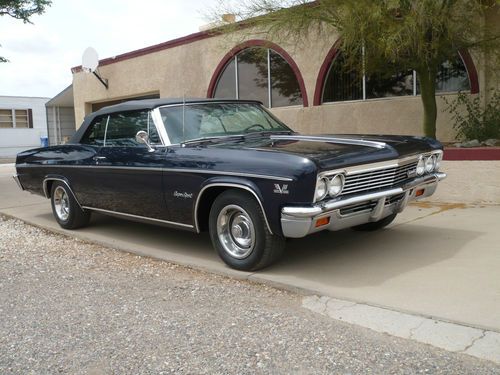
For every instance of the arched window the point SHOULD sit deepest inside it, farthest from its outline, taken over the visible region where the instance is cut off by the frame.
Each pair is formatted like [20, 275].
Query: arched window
[451, 76]
[342, 83]
[259, 73]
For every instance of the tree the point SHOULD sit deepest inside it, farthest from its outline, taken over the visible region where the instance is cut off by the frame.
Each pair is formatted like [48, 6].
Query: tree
[392, 35]
[22, 10]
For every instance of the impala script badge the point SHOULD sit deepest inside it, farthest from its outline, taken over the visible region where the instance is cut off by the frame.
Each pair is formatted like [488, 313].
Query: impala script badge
[183, 195]
[280, 189]
[411, 173]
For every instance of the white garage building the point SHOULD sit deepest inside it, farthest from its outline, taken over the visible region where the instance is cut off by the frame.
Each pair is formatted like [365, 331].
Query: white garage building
[23, 121]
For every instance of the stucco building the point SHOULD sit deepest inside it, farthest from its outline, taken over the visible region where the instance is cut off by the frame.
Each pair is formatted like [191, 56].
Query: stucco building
[302, 84]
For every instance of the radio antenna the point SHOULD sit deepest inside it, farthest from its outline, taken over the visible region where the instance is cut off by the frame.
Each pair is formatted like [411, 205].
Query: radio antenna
[183, 116]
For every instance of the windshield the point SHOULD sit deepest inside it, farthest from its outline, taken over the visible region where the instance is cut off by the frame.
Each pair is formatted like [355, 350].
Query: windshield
[217, 120]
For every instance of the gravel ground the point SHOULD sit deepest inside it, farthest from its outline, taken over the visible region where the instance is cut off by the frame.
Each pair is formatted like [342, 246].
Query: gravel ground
[67, 306]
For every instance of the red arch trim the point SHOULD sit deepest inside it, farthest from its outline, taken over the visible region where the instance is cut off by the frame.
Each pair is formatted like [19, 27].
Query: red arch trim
[471, 70]
[325, 67]
[323, 71]
[257, 43]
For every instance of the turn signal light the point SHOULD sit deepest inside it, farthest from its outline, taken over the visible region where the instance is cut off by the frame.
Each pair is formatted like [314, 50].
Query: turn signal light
[323, 221]
[420, 192]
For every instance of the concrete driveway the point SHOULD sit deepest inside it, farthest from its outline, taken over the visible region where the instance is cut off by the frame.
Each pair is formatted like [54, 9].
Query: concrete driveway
[438, 260]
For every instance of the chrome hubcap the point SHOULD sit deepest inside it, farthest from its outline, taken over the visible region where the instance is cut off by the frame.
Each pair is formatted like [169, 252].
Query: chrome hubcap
[61, 203]
[236, 231]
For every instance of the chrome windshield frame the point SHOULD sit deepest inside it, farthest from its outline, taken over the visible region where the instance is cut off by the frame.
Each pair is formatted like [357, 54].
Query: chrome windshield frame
[162, 129]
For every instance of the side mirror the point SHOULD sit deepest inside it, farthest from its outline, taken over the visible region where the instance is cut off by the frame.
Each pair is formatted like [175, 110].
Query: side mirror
[143, 137]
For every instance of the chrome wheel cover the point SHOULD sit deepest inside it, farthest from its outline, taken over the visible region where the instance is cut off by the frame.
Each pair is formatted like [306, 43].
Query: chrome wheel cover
[61, 203]
[236, 231]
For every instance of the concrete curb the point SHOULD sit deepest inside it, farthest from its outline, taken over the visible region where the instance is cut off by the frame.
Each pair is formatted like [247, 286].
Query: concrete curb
[449, 336]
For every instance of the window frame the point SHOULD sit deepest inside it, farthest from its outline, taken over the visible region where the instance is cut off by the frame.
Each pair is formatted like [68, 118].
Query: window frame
[269, 81]
[364, 81]
[230, 56]
[329, 59]
[150, 120]
[28, 112]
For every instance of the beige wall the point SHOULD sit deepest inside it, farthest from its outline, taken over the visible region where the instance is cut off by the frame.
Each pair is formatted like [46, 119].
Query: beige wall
[378, 116]
[187, 70]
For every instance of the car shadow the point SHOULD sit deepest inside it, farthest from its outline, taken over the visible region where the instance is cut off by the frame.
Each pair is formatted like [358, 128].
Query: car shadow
[353, 259]
[346, 259]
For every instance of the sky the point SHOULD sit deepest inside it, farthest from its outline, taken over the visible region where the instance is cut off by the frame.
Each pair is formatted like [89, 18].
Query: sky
[42, 55]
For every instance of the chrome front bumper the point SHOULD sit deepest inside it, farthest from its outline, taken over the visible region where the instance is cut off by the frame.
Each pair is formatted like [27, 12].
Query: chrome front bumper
[300, 221]
[16, 178]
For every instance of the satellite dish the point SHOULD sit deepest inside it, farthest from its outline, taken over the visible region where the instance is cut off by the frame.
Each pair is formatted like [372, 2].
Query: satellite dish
[90, 60]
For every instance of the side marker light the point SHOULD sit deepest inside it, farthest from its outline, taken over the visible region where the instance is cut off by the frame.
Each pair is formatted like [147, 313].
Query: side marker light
[322, 221]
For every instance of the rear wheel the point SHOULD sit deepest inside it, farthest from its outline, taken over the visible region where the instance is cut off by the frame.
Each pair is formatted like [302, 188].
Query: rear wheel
[65, 208]
[368, 227]
[239, 232]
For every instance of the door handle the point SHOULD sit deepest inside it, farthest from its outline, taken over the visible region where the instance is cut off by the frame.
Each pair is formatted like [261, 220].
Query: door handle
[99, 158]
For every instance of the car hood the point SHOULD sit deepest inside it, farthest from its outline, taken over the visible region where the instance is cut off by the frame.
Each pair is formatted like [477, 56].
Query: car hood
[336, 151]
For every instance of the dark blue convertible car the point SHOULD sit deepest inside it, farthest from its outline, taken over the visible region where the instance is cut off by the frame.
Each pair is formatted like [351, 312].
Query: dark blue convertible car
[229, 167]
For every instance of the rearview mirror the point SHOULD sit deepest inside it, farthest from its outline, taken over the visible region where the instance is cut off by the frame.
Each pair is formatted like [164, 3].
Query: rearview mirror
[143, 138]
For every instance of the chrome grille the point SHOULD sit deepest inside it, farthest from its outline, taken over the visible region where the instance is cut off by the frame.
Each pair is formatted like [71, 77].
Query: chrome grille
[379, 179]
[368, 206]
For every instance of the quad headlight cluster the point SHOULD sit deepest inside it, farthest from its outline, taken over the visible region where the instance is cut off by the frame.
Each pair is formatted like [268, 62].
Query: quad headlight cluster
[331, 186]
[429, 163]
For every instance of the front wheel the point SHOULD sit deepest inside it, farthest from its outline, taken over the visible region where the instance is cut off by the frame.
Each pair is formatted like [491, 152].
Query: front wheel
[239, 232]
[65, 208]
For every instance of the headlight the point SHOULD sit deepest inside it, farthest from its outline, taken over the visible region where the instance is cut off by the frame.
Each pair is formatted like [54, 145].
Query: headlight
[439, 158]
[421, 167]
[430, 163]
[335, 185]
[321, 189]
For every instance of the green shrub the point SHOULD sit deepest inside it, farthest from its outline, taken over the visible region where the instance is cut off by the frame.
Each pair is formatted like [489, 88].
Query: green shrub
[472, 120]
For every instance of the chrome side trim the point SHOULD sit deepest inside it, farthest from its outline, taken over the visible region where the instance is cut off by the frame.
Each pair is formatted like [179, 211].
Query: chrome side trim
[16, 178]
[47, 193]
[228, 185]
[138, 217]
[236, 174]
[180, 170]
[345, 141]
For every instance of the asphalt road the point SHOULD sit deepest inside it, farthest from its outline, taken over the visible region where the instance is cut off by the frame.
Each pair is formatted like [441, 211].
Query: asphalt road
[71, 307]
[437, 260]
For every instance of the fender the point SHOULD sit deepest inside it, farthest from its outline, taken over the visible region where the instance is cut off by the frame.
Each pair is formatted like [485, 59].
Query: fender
[239, 183]
[62, 179]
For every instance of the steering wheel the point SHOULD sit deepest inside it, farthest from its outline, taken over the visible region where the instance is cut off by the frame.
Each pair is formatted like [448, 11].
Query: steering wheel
[254, 126]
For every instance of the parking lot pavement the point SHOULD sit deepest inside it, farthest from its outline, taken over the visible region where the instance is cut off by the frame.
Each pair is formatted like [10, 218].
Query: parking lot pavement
[439, 260]
[72, 307]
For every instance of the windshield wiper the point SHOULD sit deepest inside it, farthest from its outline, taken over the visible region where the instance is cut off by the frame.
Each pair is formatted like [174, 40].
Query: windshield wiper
[221, 138]
[267, 132]
[210, 139]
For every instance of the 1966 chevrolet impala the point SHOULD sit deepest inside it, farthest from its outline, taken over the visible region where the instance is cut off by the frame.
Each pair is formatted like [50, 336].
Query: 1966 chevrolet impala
[229, 167]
